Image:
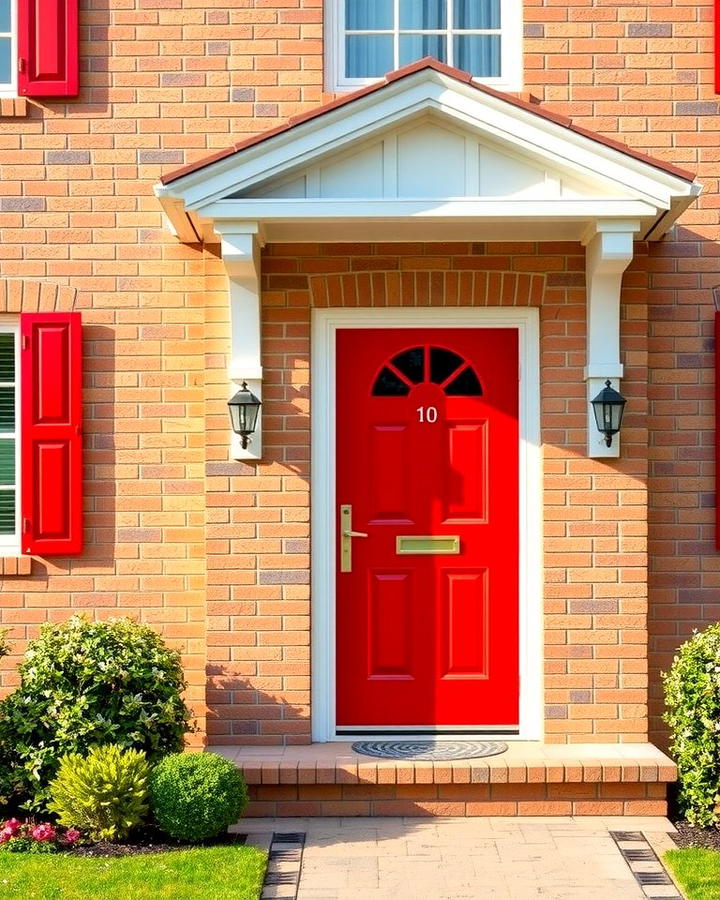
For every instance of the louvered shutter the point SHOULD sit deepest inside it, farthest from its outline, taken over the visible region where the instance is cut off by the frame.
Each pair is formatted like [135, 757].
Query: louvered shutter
[48, 48]
[51, 437]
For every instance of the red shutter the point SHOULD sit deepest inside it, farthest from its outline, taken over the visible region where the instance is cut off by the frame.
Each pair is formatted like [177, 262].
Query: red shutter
[48, 48]
[50, 433]
[717, 46]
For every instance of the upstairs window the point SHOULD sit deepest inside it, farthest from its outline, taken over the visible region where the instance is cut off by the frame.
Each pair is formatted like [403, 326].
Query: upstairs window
[374, 37]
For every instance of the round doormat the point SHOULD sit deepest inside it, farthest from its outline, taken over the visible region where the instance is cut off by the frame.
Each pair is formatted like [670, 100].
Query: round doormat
[429, 750]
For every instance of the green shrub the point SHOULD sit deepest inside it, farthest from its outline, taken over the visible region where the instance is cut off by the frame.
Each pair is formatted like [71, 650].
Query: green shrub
[104, 794]
[692, 700]
[195, 796]
[85, 684]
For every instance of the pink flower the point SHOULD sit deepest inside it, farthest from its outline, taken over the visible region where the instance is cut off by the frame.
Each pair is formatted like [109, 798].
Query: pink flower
[71, 836]
[5, 835]
[13, 826]
[43, 833]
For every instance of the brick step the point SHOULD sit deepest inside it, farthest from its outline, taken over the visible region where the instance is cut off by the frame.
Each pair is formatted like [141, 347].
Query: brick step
[530, 779]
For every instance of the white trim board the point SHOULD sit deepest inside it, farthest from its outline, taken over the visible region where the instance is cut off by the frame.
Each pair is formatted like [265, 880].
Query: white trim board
[325, 323]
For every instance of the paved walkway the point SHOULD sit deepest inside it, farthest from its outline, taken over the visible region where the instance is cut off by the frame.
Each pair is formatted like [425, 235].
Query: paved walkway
[465, 859]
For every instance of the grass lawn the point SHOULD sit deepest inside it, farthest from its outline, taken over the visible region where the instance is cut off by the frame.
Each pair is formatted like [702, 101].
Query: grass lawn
[220, 873]
[697, 871]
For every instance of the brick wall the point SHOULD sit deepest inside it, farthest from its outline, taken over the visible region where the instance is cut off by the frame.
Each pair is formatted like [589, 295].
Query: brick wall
[644, 73]
[165, 82]
[595, 512]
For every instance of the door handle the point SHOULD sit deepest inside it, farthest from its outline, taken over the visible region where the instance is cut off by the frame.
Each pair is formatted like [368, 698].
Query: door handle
[346, 536]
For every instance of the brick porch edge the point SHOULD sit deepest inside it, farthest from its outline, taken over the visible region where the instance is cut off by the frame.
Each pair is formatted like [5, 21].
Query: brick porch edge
[530, 779]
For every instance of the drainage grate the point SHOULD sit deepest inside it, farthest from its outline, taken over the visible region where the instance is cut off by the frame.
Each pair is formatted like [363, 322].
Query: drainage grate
[653, 877]
[639, 855]
[289, 837]
[290, 855]
[653, 872]
[282, 878]
[628, 835]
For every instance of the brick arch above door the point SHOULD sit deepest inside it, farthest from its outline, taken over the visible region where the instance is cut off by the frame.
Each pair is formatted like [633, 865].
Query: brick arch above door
[25, 295]
[425, 288]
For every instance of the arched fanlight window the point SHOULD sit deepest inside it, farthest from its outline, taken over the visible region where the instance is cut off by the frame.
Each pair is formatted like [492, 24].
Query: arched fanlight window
[427, 365]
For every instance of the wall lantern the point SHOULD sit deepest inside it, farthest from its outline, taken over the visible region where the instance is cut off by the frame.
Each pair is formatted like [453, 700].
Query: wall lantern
[244, 407]
[608, 407]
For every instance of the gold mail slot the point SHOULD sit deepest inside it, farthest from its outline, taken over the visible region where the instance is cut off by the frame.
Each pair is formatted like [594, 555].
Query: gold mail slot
[427, 544]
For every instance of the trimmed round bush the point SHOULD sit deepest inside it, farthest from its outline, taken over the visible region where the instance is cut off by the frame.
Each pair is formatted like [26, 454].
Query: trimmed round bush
[692, 700]
[195, 796]
[104, 794]
[84, 684]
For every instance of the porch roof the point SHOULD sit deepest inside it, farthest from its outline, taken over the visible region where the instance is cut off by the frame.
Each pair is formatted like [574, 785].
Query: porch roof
[426, 154]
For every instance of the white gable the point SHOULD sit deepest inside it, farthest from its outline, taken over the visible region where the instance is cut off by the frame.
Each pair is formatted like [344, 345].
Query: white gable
[429, 160]
[439, 156]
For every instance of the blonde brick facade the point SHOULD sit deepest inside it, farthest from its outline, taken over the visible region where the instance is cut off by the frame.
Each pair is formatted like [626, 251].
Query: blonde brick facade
[216, 553]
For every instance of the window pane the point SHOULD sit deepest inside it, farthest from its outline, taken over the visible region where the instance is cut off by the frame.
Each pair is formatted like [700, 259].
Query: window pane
[7, 357]
[7, 409]
[416, 46]
[4, 60]
[388, 384]
[478, 54]
[411, 363]
[442, 364]
[476, 14]
[7, 462]
[5, 15]
[368, 15]
[368, 56]
[423, 14]
[7, 512]
[465, 385]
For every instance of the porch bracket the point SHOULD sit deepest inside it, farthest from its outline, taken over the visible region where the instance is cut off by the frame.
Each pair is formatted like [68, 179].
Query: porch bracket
[608, 252]
[240, 244]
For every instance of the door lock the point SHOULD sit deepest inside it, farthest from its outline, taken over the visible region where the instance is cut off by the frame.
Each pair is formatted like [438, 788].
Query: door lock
[346, 536]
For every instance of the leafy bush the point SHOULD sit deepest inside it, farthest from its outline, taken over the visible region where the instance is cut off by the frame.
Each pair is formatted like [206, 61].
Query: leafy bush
[195, 796]
[104, 794]
[91, 683]
[692, 699]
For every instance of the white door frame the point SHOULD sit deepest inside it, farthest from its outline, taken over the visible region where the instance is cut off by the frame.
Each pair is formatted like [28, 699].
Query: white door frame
[325, 323]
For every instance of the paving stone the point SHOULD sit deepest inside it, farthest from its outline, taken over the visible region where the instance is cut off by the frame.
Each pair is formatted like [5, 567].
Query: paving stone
[466, 859]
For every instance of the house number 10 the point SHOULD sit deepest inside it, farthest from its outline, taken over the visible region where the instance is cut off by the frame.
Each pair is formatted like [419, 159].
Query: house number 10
[427, 414]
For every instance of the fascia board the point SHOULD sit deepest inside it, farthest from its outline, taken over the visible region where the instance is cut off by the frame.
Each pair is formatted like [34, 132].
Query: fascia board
[300, 145]
[551, 141]
[388, 209]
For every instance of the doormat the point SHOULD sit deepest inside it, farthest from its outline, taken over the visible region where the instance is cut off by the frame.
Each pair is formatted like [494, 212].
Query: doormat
[429, 750]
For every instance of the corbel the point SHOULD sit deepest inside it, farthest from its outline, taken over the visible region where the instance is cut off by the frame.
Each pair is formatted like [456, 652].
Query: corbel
[240, 244]
[608, 252]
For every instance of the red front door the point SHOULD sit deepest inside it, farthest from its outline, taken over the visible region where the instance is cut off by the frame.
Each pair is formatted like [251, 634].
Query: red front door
[427, 461]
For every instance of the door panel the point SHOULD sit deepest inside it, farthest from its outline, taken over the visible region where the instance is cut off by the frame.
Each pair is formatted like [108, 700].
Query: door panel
[427, 446]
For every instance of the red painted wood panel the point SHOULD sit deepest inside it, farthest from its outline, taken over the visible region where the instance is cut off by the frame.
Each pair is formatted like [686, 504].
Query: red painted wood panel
[51, 433]
[428, 640]
[717, 46]
[48, 64]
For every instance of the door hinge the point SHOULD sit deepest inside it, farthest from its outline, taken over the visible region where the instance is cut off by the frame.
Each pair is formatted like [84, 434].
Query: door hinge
[25, 342]
[26, 526]
[21, 64]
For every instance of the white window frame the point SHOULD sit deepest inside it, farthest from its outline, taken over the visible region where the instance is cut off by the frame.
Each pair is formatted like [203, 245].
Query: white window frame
[511, 49]
[9, 89]
[10, 543]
